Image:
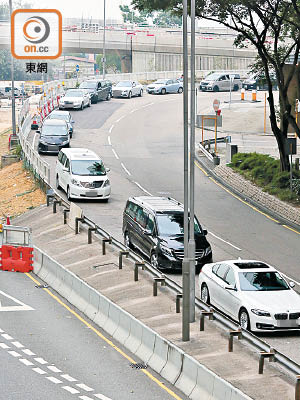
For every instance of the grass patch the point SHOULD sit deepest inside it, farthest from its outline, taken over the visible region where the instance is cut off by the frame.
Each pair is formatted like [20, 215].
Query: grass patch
[264, 171]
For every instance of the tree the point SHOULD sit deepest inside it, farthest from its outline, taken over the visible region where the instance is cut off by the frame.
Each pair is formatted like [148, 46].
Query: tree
[130, 16]
[166, 18]
[254, 22]
[113, 62]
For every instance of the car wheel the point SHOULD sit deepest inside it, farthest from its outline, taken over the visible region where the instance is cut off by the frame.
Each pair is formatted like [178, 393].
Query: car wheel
[205, 294]
[129, 95]
[154, 260]
[180, 90]
[127, 241]
[163, 91]
[216, 88]
[141, 93]
[108, 96]
[68, 194]
[244, 319]
[57, 183]
[81, 108]
[235, 88]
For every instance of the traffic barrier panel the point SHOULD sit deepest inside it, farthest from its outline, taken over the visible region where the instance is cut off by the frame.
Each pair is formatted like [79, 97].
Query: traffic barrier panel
[60, 281]
[37, 260]
[93, 306]
[102, 314]
[18, 259]
[204, 385]
[135, 338]
[51, 267]
[146, 349]
[123, 331]
[160, 354]
[67, 286]
[74, 295]
[188, 377]
[173, 367]
[113, 319]
[83, 296]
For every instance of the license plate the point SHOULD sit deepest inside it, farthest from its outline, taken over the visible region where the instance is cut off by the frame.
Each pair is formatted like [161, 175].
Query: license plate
[91, 194]
[53, 148]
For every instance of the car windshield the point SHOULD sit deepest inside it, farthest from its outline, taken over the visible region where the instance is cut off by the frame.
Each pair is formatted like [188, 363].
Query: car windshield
[88, 167]
[124, 84]
[212, 77]
[253, 281]
[161, 81]
[74, 93]
[172, 224]
[64, 117]
[54, 130]
[87, 85]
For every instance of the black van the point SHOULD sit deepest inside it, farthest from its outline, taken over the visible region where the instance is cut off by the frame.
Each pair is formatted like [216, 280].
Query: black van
[99, 89]
[154, 226]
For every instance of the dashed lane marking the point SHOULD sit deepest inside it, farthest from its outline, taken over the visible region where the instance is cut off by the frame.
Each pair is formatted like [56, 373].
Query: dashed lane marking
[28, 352]
[115, 154]
[54, 380]
[102, 397]
[4, 346]
[41, 360]
[225, 241]
[14, 353]
[109, 141]
[68, 378]
[17, 344]
[118, 120]
[85, 398]
[143, 189]
[125, 169]
[84, 387]
[6, 336]
[111, 128]
[25, 362]
[147, 105]
[39, 371]
[134, 110]
[54, 369]
[70, 389]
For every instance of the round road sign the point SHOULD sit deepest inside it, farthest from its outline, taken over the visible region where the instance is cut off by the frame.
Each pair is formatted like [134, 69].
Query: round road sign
[216, 104]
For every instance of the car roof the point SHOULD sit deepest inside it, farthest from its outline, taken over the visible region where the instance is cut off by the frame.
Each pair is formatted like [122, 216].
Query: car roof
[158, 204]
[80, 154]
[249, 265]
[54, 122]
[58, 112]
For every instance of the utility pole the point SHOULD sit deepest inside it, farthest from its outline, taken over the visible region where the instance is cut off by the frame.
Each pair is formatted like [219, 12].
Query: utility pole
[104, 30]
[13, 103]
[191, 248]
[185, 263]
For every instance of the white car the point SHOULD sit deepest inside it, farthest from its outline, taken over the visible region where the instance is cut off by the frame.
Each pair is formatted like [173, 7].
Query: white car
[75, 98]
[127, 89]
[252, 293]
[82, 174]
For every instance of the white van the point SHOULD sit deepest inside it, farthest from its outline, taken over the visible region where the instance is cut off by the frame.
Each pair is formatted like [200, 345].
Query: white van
[220, 82]
[82, 174]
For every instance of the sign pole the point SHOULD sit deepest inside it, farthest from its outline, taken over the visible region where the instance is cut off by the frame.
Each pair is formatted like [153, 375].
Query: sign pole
[13, 101]
[216, 132]
[265, 113]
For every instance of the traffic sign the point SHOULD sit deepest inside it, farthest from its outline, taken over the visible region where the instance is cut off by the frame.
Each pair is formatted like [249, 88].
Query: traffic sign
[77, 68]
[216, 104]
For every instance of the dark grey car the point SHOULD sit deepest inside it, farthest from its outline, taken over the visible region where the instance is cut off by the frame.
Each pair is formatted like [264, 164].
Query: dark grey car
[99, 89]
[54, 136]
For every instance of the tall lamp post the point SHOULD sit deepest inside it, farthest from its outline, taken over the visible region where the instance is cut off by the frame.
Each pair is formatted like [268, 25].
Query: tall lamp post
[104, 31]
[13, 103]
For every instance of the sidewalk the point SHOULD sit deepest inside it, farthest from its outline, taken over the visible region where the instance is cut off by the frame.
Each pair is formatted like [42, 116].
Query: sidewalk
[210, 347]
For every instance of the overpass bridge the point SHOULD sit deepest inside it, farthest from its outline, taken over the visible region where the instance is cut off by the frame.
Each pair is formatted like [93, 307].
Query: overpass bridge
[155, 50]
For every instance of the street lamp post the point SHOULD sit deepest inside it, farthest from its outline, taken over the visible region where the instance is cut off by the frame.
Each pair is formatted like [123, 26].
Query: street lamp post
[13, 103]
[104, 30]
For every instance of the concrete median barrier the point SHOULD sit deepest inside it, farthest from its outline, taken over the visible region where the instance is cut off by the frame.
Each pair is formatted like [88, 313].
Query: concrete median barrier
[146, 349]
[135, 338]
[51, 267]
[173, 367]
[103, 310]
[37, 260]
[93, 306]
[123, 331]
[84, 297]
[160, 355]
[113, 319]
[188, 377]
[67, 285]
[204, 384]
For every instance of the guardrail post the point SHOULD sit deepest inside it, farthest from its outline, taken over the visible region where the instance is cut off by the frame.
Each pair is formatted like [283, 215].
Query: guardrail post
[106, 240]
[155, 282]
[264, 354]
[49, 195]
[90, 230]
[297, 388]
[136, 269]
[237, 333]
[202, 315]
[66, 211]
[77, 220]
[55, 202]
[178, 297]
[121, 254]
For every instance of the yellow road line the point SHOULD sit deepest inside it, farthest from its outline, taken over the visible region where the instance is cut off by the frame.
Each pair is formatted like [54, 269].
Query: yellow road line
[291, 229]
[109, 342]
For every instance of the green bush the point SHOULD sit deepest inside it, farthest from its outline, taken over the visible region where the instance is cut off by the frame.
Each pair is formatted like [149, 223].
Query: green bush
[282, 180]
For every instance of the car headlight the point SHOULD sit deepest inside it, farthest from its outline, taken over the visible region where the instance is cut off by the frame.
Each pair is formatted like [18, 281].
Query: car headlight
[207, 251]
[65, 142]
[166, 251]
[106, 183]
[125, 91]
[261, 313]
[75, 182]
[43, 142]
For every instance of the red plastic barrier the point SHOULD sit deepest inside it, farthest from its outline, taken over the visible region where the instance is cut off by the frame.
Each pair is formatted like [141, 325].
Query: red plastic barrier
[18, 259]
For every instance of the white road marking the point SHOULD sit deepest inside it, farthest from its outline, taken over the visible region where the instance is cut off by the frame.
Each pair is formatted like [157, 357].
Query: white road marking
[52, 379]
[125, 169]
[111, 128]
[118, 120]
[143, 189]
[1, 331]
[6, 336]
[41, 360]
[116, 155]
[53, 368]
[147, 105]
[68, 378]
[28, 352]
[20, 307]
[25, 361]
[17, 344]
[39, 371]
[102, 397]
[70, 389]
[289, 278]
[84, 387]
[4, 346]
[134, 110]
[109, 142]
[14, 353]
[85, 398]
[225, 241]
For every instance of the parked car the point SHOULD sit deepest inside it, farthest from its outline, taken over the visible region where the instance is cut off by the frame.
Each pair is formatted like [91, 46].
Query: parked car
[154, 226]
[220, 82]
[98, 89]
[163, 86]
[127, 89]
[82, 175]
[64, 116]
[75, 98]
[251, 292]
[54, 135]
[258, 82]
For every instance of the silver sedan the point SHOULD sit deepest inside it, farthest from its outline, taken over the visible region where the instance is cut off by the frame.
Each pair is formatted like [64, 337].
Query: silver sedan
[127, 89]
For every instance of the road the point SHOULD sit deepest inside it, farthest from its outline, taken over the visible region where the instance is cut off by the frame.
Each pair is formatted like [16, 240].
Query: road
[49, 350]
[142, 144]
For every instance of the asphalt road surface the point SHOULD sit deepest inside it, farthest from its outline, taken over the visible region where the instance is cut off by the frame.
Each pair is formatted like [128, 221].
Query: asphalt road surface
[50, 351]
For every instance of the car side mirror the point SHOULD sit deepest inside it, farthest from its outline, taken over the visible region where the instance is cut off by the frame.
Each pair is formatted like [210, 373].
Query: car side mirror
[204, 232]
[231, 287]
[73, 122]
[148, 233]
[292, 284]
[38, 131]
[65, 169]
[107, 169]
